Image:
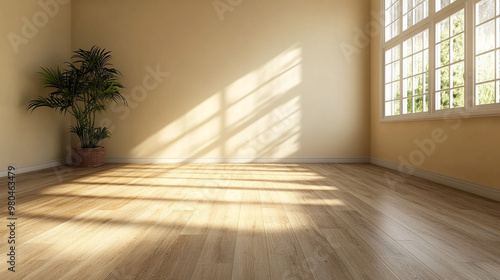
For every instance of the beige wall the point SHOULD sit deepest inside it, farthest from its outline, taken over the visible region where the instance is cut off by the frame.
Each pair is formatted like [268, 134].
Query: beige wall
[30, 37]
[265, 79]
[470, 150]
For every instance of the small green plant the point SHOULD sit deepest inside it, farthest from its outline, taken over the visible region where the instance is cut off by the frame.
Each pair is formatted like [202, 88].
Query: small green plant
[83, 89]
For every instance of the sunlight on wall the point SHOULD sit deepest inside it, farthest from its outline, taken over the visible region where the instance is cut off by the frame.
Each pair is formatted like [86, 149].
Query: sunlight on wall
[256, 116]
[275, 134]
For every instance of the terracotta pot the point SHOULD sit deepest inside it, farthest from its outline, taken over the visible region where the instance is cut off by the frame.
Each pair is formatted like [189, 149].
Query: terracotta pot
[88, 157]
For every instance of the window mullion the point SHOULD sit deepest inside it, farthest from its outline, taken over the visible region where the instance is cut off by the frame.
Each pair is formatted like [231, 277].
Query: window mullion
[401, 77]
[432, 57]
[469, 56]
[432, 8]
[432, 66]
[400, 14]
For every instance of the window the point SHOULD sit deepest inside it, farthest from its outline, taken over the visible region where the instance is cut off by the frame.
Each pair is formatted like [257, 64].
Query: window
[487, 54]
[392, 17]
[392, 81]
[450, 56]
[440, 57]
[414, 11]
[416, 73]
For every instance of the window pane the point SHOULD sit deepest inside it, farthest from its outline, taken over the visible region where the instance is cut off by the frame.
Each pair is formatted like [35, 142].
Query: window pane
[396, 90]
[498, 30]
[391, 55]
[444, 83]
[407, 21]
[388, 74]
[388, 92]
[485, 93]
[426, 103]
[392, 108]
[395, 28]
[443, 54]
[426, 82]
[485, 10]
[388, 56]
[392, 17]
[418, 81]
[458, 48]
[485, 37]
[407, 6]
[418, 42]
[445, 100]
[408, 106]
[414, 11]
[440, 4]
[388, 16]
[407, 48]
[395, 71]
[498, 92]
[388, 109]
[407, 67]
[420, 12]
[418, 63]
[498, 64]
[458, 22]
[419, 104]
[396, 53]
[408, 87]
[485, 67]
[458, 98]
[458, 74]
[388, 33]
[443, 30]
[392, 91]
[426, 60]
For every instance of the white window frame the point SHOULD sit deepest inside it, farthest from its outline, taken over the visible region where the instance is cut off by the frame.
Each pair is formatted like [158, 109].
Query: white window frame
[469, 109]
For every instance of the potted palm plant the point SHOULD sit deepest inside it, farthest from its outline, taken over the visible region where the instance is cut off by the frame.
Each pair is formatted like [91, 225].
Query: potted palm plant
[84, 90]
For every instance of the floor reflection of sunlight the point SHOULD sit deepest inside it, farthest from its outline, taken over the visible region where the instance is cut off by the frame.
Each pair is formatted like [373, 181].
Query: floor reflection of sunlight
[129, 207]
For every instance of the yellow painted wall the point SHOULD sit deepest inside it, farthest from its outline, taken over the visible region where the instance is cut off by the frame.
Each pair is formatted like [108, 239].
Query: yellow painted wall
[470, 150]
[31, 36]
[247, 80]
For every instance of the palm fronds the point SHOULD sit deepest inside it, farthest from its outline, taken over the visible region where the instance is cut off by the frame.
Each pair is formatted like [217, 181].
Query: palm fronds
[83, 90]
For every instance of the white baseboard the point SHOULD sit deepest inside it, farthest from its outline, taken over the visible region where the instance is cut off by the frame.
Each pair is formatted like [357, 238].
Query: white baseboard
[481, 190]
[238, 160]
[32, 167]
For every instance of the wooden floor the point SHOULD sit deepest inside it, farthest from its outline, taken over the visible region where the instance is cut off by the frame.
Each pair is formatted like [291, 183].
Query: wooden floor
[247, 221]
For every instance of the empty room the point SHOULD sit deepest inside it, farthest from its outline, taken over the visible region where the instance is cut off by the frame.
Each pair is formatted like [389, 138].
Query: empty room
[238, 139]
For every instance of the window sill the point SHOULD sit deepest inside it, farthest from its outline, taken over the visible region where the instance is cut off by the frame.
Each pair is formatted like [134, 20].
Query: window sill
[448, 114]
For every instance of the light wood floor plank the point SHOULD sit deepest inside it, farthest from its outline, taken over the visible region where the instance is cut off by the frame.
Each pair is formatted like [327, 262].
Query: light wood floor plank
[251, 259]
